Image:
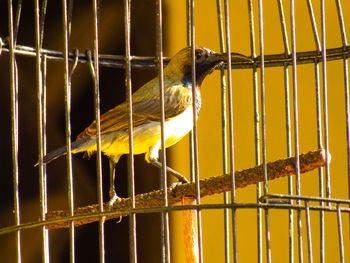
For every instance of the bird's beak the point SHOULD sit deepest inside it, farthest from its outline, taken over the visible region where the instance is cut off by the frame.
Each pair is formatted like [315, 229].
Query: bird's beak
[235, 57]
[216, 59]
[220, 59]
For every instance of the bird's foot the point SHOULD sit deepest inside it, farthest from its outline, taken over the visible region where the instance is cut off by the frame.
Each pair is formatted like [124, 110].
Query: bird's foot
[171, 171]
[172, 188]
[114, 199]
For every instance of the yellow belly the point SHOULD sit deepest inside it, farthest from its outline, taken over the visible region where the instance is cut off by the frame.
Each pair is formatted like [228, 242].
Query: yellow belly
[149, 134]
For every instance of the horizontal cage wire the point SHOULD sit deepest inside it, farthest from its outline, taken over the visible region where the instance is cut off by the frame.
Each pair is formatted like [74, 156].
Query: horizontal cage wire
[264, 173]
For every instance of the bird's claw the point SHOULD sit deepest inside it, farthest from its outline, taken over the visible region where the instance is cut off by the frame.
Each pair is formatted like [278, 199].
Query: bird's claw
[173, 186]
[113, 199]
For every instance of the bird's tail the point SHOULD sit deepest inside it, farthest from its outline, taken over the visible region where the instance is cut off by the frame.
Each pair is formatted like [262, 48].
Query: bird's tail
[76, 146]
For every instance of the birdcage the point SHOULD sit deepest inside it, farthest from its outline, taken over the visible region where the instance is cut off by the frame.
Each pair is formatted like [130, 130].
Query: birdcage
[268, 160]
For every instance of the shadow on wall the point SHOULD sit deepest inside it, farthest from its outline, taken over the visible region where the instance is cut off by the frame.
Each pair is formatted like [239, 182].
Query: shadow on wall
[112, 91]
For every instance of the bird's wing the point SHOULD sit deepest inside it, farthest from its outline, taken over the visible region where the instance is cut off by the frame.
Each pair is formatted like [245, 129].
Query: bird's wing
[144, 111]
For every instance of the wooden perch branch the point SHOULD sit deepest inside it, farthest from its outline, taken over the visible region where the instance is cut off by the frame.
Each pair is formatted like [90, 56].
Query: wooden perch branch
[209, 186]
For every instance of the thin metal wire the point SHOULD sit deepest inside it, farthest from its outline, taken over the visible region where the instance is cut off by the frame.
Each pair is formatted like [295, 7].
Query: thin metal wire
[191, 137]
[70, 15]
[14, 132]
[289, 154]
[195, 141]
[44, 118]
[230, 123]
[313, 23]
[263, 127]
[346, 87]
[224, 130]
[42, 21]
[165, 232]
[325, 97]
[67, 98]
[131, 172]
[341, 23]
[43, 102]
[305, 198]
[96, 77]
[319, 142]
[288, 126]
[118, 61]
[98, 153]
[256, 126]
[188, 23]
[262, 97]
[43, 108]
[279, 206]
[296, 123]
[347, 107]
[325, 113]
[319, 124]
[308, 231]
[42, 174]
[283, 28]
[189, 40]
[340, 234]
[17, 19]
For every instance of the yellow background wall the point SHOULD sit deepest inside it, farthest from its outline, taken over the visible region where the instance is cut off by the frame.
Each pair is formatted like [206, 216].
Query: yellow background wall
[209, 126]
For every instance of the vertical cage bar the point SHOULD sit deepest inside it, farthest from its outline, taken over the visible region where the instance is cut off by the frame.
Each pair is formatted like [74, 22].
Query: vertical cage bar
[325, 96]
[224, 130]
[319, 141]
[263, 126]
[230, 117]
[319, 123]
[289, 154]
[296, 122]
[288, 127]
[325, 119]
[188, 23]
[340, 234]
[191, 137]
[17, 20]
[70, 15]
[43, 102]
[14, 129]
[96, 78]
[195, 140]
[313, 23]
[188, 43]
[341, 23]
[308, 231]
[283, 27]
[256, 124]
[43, 107]
[42, 174]
[347, 114]
[346, 87]
[67, 98]
[131, 172]
[163, 174]
[42, 20]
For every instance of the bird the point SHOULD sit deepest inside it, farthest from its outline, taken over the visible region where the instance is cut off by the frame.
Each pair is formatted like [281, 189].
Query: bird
[178, 111]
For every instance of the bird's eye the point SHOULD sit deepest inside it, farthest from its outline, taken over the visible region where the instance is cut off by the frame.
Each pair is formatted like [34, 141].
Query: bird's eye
[198, 54]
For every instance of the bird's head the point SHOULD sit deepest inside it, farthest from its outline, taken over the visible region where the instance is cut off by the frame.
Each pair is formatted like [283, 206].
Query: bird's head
[180, 65]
